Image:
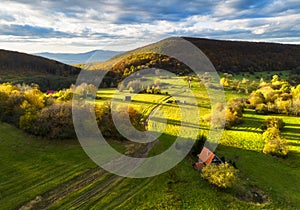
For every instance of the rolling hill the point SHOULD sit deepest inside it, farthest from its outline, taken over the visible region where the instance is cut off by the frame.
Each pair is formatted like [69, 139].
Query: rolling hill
[231, 56]
[226, 56]
[76, 58]
[235, 56]
[16, 67]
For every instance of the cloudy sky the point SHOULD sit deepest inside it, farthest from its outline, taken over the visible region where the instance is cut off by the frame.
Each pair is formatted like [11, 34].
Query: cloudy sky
[78, 26]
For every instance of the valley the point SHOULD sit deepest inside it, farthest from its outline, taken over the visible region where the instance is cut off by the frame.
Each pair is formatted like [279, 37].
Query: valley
[43, 165]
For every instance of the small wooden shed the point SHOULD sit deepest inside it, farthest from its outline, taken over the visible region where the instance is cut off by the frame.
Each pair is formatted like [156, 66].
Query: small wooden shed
[206, 157]
[127, 98]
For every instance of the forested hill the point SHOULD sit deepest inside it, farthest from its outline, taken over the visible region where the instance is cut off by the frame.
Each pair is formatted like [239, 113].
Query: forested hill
[11, 61]
[226, 56]
[234, 56]
[16, 67]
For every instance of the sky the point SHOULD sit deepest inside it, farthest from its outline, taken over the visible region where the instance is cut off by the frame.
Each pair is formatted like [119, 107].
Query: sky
[74, 26]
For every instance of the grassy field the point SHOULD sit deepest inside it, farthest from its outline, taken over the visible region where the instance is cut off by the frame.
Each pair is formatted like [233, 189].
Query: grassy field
[41, 174]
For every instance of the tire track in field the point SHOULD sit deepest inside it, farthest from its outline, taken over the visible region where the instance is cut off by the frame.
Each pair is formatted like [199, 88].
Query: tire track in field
[96, 192]
[92, 180]
[60, 192]
[120, 200]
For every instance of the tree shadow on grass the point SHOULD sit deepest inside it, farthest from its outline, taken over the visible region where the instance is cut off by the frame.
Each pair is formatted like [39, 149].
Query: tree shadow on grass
[250, 124]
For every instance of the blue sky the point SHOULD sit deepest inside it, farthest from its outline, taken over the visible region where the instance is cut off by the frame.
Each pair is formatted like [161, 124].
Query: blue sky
[78, 26]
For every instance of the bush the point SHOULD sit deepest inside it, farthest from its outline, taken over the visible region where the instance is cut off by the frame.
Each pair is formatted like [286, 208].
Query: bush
[226, 117]
[236, 106]
[55, 122]
[261, 109]
[105, 121]
[222, 175]
[256, 97]
[275, 145]
[107, 125]
[272, 122]
[216, 120]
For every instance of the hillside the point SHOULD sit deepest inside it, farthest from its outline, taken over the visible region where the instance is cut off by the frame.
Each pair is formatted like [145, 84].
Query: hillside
[244, 56]
[76, 58]
[19, 67]
[226, 56]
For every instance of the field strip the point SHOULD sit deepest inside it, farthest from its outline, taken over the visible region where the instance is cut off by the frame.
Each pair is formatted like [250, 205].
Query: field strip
[120, 201]
[97, 192]
[63, 190]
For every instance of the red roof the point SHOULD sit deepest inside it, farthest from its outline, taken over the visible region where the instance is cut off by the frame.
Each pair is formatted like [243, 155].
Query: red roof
[50, 92]
[206, 156]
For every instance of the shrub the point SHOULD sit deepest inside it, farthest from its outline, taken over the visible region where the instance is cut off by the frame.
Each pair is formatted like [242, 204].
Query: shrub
[216, 120]
[261, 109]
[272, 122]
[55, 122]
[223, 175]
[231, 119]
[107, 125]
[226, 117]
[234, 112]
[275, 145]
[237, 106]
[105, 121]
[256, 97]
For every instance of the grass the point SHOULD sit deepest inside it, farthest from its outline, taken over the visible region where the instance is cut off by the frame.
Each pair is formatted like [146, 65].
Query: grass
[30, 166]
[62, 174]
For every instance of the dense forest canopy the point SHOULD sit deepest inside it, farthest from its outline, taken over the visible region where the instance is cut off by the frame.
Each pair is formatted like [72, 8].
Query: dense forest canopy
[236, 56]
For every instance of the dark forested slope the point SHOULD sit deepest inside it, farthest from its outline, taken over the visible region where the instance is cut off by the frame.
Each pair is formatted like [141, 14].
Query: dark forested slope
[235, 56]
[19, 67]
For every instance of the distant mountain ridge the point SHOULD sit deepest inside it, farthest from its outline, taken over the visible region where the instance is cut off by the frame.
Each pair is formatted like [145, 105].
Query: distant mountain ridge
[80, 58]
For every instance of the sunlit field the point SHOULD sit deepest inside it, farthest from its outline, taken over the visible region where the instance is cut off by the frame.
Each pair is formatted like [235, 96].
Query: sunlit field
[55, 174]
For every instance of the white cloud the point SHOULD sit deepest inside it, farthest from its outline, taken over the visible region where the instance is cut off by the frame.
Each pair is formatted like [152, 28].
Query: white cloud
[94, 24]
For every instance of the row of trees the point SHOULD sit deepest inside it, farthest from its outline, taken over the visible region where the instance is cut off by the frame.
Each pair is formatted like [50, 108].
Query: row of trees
[277, 96]
[241, 86]
[138, 86]
[50, 115]
[136, 62]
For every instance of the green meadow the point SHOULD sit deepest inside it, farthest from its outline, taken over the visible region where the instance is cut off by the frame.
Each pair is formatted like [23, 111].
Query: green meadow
[37, 173]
